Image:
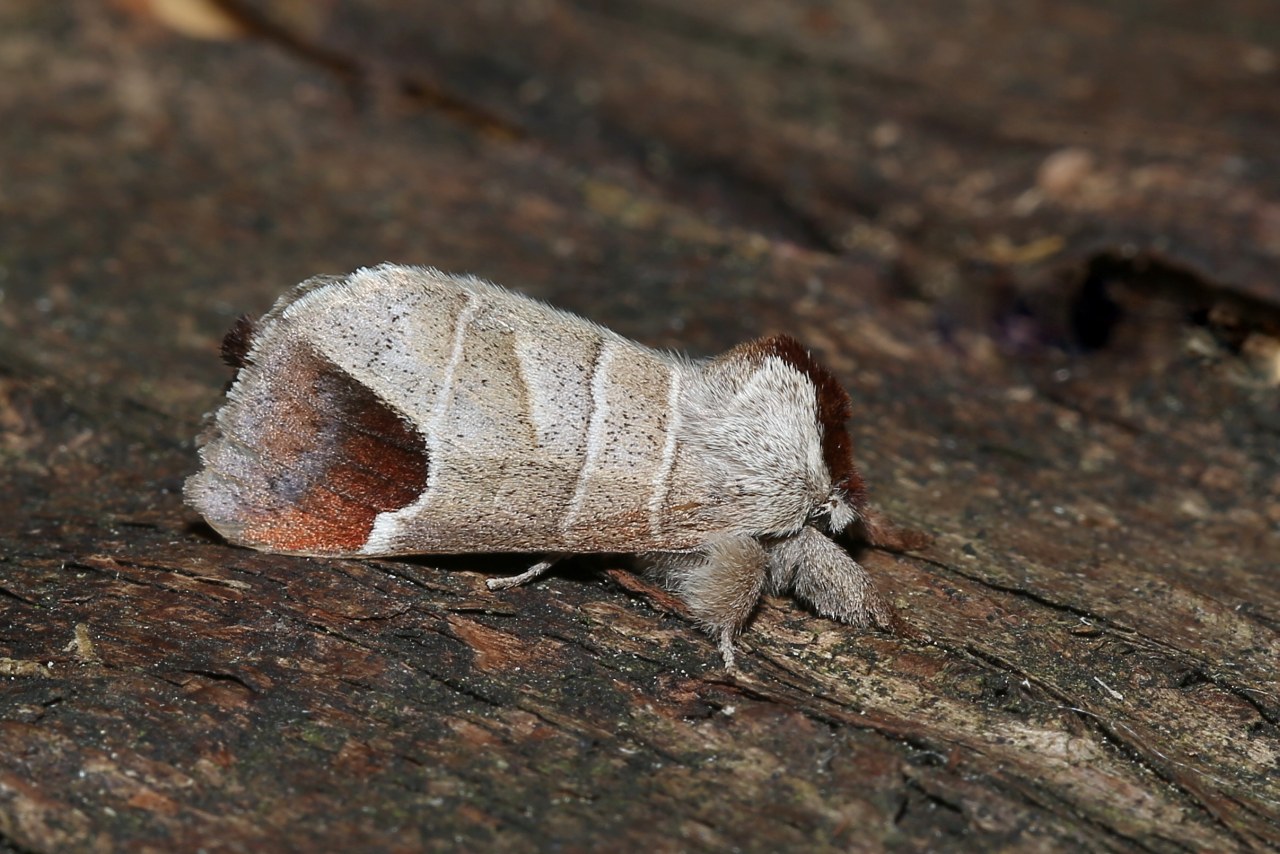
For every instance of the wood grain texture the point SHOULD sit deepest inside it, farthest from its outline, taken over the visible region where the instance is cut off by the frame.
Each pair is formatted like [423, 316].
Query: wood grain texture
[1038, 245]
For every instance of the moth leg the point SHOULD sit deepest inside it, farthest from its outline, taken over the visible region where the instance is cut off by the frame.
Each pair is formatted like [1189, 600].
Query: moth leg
[822, 574]
[536, 571]
[721, 585]
[726, 649]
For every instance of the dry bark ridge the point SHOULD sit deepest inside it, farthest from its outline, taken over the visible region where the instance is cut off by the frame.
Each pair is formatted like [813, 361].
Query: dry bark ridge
[1039, 246]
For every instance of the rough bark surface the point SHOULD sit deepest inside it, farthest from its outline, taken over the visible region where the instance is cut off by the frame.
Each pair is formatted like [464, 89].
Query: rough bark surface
[1039, 242]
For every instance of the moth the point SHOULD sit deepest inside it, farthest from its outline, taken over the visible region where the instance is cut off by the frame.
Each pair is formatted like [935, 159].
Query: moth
[400, 410]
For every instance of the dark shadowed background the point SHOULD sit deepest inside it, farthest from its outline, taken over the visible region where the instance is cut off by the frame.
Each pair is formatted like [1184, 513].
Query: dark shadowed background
[1038, 241]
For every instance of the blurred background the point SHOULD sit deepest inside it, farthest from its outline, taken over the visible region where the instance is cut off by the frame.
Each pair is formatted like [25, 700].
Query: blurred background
[1010, 165]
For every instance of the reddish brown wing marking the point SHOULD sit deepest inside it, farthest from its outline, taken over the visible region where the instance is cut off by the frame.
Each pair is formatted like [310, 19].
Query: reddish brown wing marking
[834, 408]
[328, 456]
[883, 534]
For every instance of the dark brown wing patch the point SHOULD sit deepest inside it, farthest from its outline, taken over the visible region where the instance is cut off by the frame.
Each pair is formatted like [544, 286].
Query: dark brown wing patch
[238, 341]
[304, 458]
[834, 408]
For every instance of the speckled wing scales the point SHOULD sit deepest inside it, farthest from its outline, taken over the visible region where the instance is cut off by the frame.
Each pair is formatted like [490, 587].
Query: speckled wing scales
[504, 425]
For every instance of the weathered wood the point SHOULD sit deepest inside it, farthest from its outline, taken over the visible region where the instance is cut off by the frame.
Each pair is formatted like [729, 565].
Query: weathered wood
[1039, 244]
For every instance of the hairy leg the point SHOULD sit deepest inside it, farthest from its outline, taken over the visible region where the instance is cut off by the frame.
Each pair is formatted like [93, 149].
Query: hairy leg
[822, 574]
[721, 584]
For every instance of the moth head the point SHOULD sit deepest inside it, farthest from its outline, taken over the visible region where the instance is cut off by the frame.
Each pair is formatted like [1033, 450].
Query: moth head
[843, 503]
[836, 513]
[841, 496]
[773, 421]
